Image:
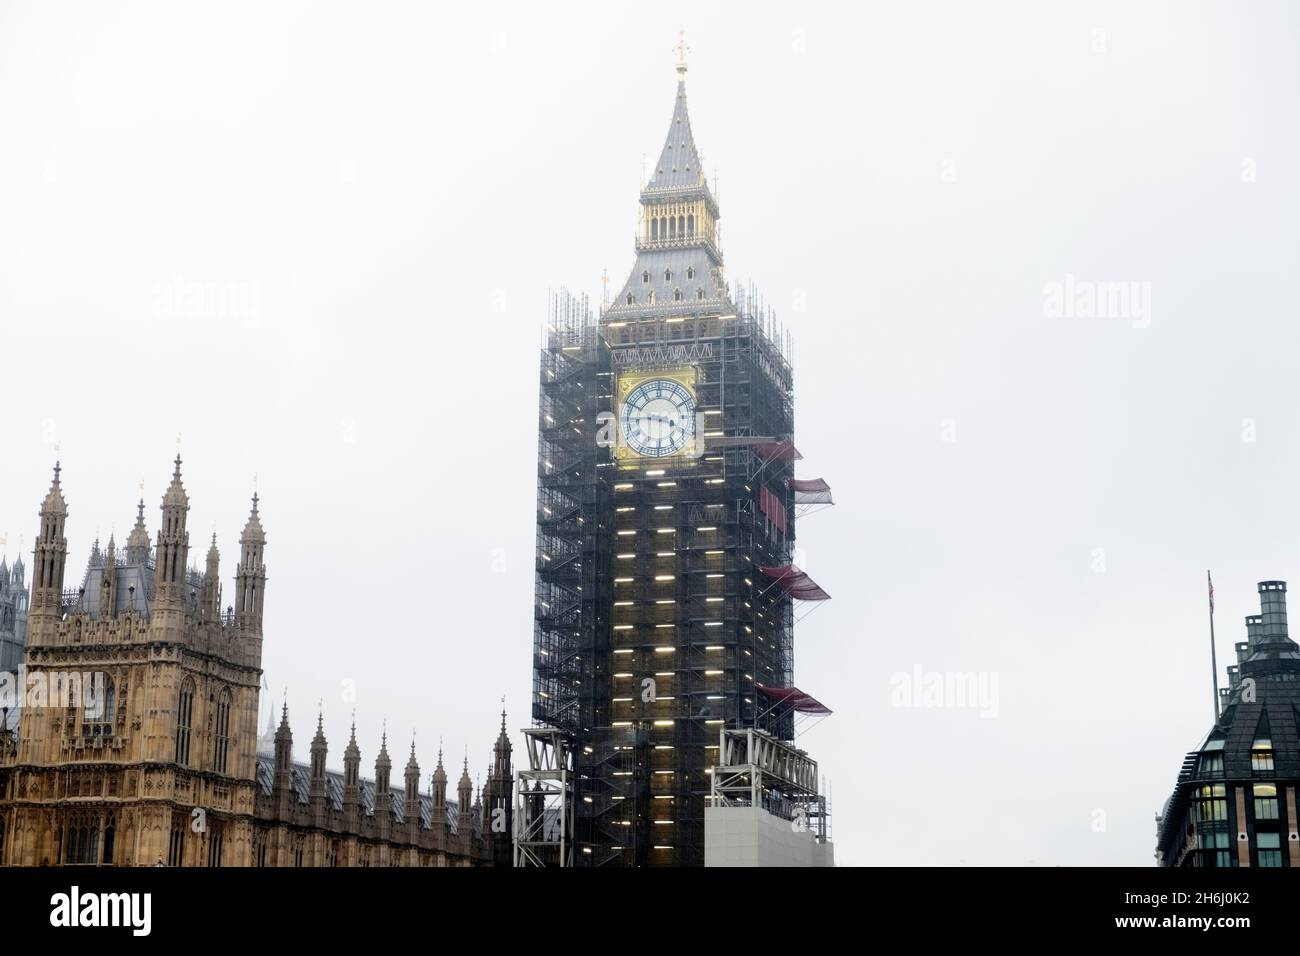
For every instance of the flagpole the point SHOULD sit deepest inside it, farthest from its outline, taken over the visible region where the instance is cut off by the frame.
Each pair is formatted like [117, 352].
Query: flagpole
[1214, 663]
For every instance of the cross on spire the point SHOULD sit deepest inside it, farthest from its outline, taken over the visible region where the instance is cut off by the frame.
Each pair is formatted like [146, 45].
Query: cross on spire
[682, 49]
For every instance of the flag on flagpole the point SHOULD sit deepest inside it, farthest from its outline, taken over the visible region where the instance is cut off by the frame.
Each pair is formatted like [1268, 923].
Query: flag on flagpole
[1210, 581]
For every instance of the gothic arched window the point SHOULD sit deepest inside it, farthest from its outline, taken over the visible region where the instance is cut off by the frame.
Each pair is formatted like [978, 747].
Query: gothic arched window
[699, 293]
[184, 715]
[70, 850]
[645, 276]
[668, 275]
[690, 225]
[677, 295]
[690, 272]
[110, 833]
[629, 298]
[222, 748]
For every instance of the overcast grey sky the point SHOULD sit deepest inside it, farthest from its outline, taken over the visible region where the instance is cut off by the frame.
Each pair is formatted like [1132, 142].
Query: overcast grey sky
[316, 241]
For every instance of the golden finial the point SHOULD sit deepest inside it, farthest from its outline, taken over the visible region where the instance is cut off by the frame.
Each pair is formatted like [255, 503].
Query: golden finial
[682, 50]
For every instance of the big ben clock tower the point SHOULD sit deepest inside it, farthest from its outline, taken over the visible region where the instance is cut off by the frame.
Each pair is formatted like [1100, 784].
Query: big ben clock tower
[665, 521]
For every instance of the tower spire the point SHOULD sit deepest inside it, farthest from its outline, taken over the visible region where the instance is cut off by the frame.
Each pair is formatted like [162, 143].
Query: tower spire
[250, 573]
[173, 545]
[51, 549]
[678, 268]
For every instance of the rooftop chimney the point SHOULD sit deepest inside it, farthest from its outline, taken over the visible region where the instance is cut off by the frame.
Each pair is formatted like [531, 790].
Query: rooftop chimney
[1272, 606]
[1254, 629]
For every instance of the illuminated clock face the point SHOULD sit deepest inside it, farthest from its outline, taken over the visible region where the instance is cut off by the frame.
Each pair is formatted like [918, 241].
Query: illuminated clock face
[658, 418]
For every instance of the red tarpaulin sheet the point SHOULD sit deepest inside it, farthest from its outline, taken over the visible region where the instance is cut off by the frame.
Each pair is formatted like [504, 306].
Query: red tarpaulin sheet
[782, 450]
[768, 448]
[772, 506]
[796, 583]
[810, 491]
[797, 699]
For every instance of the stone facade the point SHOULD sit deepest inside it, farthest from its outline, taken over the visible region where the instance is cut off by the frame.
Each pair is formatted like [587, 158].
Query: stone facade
[14, 598]
[137, 743]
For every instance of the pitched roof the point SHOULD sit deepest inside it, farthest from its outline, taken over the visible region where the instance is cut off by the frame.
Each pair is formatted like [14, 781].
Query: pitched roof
[679, 160]
[300, 782]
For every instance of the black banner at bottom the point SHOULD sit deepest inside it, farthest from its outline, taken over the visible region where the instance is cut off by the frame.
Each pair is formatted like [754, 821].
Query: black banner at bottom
[939, 904]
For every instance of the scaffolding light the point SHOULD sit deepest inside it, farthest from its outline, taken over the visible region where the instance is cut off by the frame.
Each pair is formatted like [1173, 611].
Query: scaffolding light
[626, 508]
[665, 650]
[623, 674]
[663, 723]
[713, 673]
[624, 533]
[660, 577]
[624, 650]
[707, 527]
[663, 507]
[622, 627]
[654, 473]
[627, 554]
[713, 647]
[667, 484]
[622, 580]
[621, 486]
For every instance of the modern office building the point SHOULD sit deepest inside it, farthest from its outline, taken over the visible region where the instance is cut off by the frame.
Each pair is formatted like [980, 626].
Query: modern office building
[1235, 802]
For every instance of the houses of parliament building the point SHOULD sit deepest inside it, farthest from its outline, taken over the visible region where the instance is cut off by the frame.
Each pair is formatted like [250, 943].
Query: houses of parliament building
[136, 742]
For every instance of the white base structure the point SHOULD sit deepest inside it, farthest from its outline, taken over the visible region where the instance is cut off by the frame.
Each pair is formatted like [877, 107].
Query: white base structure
[750, 836]
[764, 806]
